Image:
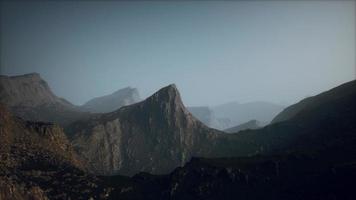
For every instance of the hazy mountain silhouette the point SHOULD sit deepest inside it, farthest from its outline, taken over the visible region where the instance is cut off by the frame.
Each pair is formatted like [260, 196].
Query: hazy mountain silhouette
[29, 96]
[111, 102]
[252, 124]
[239, 113]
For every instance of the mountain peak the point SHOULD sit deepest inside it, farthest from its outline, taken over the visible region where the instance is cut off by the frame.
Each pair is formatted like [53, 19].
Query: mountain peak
[31, 76]
[168, 94]
[166, 132]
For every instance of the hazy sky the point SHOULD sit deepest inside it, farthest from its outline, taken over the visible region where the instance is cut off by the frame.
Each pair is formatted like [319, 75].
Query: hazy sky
[214, 51]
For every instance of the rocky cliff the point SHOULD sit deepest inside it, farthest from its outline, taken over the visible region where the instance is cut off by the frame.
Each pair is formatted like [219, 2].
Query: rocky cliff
[37, 162]
[155, 135]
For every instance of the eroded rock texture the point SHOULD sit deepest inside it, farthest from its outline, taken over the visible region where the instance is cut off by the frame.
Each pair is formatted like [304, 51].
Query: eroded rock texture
[38, 162]
[155, 136]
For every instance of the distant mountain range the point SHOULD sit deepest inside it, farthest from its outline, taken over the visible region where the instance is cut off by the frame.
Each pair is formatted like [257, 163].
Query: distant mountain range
[240, 113]
[307, 152]
[114, 101]
[232, 114]
[252, 124]
[30, 97]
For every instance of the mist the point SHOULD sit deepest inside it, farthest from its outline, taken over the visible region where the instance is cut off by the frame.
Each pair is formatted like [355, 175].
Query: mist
[215, 52]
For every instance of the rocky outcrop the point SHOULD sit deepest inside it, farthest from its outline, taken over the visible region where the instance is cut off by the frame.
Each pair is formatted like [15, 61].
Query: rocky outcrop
[155, 135]
[114, 101]
[23, 140]
[38, 162]
[29, 97]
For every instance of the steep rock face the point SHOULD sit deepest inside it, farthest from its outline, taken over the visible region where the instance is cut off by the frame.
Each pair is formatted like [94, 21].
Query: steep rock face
[114, 101]
[155, 135]
[252, 124]
[29, 97]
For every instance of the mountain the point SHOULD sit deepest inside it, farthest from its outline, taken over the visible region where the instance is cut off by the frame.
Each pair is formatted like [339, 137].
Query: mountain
[239, 113]
[291, 176]
[309, 156]
[159, 134]
[114, 101]
[252, 124]
[155, 135]
[29, 96]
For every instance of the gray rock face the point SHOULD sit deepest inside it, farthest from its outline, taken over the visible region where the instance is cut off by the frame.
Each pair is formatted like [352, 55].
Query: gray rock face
[29, 96]
[252, 124]
[114, 101]
[155, 135]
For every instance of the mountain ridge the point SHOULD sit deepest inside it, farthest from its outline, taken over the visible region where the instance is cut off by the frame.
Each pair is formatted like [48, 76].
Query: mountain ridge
[167, 134]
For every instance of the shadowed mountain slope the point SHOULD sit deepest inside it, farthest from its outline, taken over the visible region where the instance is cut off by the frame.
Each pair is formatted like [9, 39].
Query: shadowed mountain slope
[311, 103]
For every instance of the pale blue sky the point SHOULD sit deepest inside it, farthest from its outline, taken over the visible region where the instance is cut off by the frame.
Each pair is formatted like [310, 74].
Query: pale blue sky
[214, 51]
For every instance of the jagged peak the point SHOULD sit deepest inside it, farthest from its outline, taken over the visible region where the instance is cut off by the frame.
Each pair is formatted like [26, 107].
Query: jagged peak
[172, 88]
[125, 89]
[33, 75]
[167, 94]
